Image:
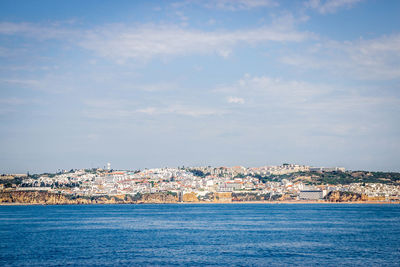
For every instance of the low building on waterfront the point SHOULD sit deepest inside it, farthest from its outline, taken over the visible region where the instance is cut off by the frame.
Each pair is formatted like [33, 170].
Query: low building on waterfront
[311, 194]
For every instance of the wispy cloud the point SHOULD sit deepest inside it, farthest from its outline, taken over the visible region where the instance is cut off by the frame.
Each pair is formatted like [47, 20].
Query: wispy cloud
[185, 110]
[14, 105]
[239, 4]
[235, 100]
[12, 101]
[311, 108]
[121, 109]
[29, 83]
[39, 31]
[123, 42]
[157, 87]
[374, 59]
[229, 5]
[261, 88]
[330, 6]
[120, 42]
[50, 83]
[281, 94]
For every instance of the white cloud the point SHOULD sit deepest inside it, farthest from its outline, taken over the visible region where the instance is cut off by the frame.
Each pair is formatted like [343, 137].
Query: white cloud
[93, 137]
[186, 110]
[300, 95]
[374, 59]
[211, 21]
[330, 6]
[149, 110]
[22, 82]
[235, 100]
[9, 105]
[51, 83]
[12, 101]
[312, 107]
[147, 41]
[156, 87]
[181, 16]
[239, 4]
[228, 5]
[38, 31]
[123, 42]
[122, 109]
[225, 53]
[261, 87]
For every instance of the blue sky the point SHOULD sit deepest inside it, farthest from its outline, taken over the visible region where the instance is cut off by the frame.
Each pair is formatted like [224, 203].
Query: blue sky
[145, 84]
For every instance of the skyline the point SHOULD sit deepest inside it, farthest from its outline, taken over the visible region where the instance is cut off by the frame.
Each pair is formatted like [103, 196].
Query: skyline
[154, 83]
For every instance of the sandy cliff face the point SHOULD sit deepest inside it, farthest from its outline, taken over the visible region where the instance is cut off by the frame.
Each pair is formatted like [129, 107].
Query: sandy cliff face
[158, 198]
[46, 198]
[190, 197]
[35, 197]
[223, 197]
[338, 196]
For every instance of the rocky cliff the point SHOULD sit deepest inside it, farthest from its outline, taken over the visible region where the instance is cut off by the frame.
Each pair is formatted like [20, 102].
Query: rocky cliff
[338, 196]
[158, 198]
[46, 198]
[190, 197]
[223, 197]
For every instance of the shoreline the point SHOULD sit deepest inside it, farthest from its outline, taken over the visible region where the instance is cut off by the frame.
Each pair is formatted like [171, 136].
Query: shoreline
[204, 203]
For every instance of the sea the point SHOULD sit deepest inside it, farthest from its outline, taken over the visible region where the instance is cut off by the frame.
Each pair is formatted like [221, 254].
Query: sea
[201, 235]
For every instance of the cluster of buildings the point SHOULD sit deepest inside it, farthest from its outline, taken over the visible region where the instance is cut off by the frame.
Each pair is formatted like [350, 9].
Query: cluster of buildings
[199, 181]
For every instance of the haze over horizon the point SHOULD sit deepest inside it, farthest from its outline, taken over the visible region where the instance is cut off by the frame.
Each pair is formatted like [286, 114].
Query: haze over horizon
[145, 84]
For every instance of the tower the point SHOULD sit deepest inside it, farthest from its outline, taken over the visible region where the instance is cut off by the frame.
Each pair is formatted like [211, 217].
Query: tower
[108, 166]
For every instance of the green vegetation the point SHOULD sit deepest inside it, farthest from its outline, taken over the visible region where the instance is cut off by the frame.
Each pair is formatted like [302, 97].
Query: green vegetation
[334, 178]
[172, 193]
[271, 178]
[9, 182]
[137, 197]
[198, 173]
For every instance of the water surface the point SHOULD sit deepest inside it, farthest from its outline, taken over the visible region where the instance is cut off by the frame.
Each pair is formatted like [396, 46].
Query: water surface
[214, 234]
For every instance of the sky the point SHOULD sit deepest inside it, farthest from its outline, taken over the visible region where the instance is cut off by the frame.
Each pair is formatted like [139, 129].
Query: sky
[146, 84]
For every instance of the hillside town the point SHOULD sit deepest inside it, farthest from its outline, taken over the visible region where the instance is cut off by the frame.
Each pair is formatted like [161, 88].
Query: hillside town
[191, 184]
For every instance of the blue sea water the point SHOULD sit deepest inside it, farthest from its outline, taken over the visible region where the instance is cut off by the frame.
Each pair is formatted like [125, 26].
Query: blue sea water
[204, 234]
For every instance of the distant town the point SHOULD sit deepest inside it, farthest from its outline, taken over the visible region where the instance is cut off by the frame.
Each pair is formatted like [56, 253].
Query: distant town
[287, 182]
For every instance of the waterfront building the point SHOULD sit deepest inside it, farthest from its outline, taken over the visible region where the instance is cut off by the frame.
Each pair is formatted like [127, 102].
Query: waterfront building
[311, 194]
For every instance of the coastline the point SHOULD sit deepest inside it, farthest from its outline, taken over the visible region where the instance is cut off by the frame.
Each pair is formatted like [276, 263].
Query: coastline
[25, 198]
[206, 202]
[292, 202]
